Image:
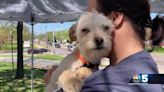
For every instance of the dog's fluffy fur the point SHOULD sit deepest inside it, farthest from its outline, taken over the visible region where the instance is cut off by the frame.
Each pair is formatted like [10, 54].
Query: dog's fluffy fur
[91, 29]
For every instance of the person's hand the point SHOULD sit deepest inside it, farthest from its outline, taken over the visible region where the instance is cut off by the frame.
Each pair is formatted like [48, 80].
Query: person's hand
[47, 75]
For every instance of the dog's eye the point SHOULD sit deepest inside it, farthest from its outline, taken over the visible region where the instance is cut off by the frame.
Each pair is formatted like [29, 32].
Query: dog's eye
[85, 30]
[105, 28]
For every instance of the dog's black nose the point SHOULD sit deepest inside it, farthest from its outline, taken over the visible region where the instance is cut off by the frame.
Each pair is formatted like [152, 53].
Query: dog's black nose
[98, 41]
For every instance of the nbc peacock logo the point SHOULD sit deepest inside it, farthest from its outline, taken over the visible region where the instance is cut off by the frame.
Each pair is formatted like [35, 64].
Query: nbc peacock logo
[137, 78]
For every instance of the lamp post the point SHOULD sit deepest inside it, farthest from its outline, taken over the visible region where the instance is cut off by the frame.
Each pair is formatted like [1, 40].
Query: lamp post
[53, 48]
[12, 59]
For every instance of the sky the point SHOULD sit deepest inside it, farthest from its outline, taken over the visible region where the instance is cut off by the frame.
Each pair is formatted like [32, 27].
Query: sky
[41, 28]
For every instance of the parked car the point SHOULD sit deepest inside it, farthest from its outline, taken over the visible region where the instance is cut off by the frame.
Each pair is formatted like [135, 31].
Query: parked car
[35, 51]
[57, 45]
[71, 47]
[44, 50]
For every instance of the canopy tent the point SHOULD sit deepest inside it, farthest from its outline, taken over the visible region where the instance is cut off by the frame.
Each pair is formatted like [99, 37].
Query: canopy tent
[38, 11]
[45, 11]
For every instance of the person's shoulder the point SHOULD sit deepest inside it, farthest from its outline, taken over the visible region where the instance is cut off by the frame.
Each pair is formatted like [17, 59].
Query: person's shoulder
[115, 80]
[141, 62]
[119, 76]
[103, 81]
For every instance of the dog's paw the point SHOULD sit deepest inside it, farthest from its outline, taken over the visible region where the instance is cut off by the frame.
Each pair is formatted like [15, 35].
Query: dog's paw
[69, 82]
[73, 84]
[83, 72]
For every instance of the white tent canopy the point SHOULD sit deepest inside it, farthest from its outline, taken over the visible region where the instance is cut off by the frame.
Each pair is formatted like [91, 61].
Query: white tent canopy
[45, 11]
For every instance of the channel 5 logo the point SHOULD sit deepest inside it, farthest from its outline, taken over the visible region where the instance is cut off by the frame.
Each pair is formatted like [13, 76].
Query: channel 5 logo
[147, 78]
[140, 78]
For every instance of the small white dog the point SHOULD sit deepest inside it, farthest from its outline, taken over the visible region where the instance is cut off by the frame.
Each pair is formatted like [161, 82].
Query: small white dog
[93, 37]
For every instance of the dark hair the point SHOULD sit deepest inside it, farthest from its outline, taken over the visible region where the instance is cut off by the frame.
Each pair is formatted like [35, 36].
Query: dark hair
[138, 12]
[158, 30]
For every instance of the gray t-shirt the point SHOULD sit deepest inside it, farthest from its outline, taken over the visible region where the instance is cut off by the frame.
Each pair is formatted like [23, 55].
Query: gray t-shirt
[116, 78]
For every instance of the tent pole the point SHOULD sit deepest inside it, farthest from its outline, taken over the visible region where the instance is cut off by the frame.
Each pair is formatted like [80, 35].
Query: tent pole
[32, 55]
[53, 33]
[12, 59]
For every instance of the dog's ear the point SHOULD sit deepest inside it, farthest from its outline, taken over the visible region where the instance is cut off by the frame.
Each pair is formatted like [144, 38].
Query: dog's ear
[72, 32]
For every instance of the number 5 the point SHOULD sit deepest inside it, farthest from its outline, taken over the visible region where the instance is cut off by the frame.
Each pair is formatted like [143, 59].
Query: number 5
[144, 78]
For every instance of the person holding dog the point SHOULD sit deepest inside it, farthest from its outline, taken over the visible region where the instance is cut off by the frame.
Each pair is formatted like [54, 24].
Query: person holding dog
[133, 26]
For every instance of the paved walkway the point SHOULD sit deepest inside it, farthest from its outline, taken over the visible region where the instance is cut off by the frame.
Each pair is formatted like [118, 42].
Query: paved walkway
[43, 63]
[159, 58]
[38, 63]
[47, 64]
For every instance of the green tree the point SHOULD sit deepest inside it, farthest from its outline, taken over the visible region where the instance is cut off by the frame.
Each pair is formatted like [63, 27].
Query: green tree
[41, 37]
[5, 33]
[49, 36]
[62, 35]
[26, 33]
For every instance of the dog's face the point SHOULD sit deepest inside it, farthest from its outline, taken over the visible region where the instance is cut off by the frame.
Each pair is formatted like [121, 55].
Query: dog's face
[93, 36]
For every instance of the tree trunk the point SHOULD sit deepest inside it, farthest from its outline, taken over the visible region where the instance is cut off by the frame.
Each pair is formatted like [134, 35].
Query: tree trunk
[20, 66]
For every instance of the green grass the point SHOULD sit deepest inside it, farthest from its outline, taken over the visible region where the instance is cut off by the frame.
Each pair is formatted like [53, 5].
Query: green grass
[7, 56]
[39, 56]
[9, 84]
[156, 50]
[7, 47]
[48, 56]
[159, 50]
